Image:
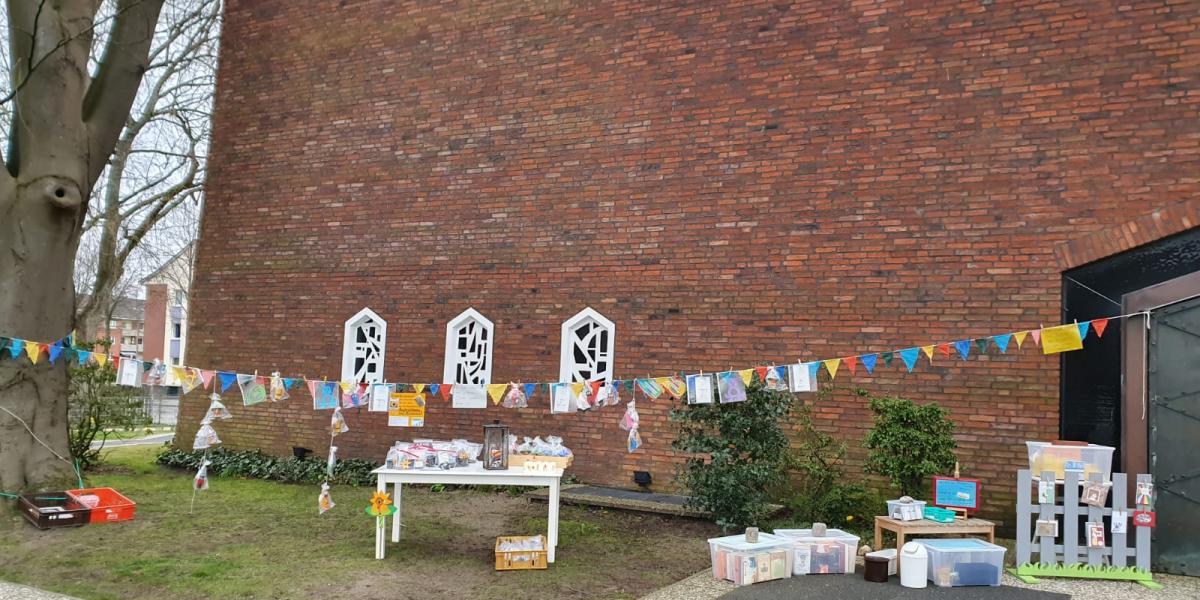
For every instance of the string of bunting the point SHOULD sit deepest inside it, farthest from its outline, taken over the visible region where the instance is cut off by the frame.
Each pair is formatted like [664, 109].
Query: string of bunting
[329, 395]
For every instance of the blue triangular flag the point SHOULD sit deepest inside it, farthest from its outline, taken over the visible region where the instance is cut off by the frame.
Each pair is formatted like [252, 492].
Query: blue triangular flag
[780, 371]
[963, 347]
[868, 361]
[84, 356]
[813, 367]
[55, 350]
[433, 389]
[1002, 341]
[529, 389]
[910, 356]
[227, 379]
[288, 382]
[16, 347]
[1083, 329]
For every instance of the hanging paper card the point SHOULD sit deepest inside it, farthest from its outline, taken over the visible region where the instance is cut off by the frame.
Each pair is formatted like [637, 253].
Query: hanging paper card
[774, 380]
[609, 395]
[1095, 529]
[467, 395]
[325, 394]
[337, 423]
[495, 391]
[216, 409]
[1063, 338]
[188, 379]
[353, 394]
[699, 389]
[1120, 521]
[278, 392]
[1143, 495]
[731, 387]
[650, 388]
[562, 399]
[380, 394]
[253, 392]
[406, 410]
[324, 500]
[129, 372]
[800, 379]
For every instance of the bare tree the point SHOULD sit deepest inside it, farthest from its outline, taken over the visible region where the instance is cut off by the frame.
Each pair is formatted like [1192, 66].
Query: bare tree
[157, 167]
[67, 119]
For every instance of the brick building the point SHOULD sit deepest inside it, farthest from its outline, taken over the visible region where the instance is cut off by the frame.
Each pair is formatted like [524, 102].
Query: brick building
[727, 183]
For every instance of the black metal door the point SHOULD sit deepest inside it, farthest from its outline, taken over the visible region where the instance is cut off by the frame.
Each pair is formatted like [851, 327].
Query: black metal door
[1174, 415]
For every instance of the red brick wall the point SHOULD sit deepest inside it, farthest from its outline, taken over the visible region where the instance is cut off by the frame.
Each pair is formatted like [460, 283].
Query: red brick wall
[156, 325]
[731, 183]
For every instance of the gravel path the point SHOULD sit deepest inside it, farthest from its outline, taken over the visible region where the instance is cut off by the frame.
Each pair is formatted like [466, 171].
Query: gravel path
[702, 586]
[12, 591]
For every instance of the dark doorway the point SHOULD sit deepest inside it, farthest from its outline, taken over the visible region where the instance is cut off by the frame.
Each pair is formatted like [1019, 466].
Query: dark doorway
[1090, 408]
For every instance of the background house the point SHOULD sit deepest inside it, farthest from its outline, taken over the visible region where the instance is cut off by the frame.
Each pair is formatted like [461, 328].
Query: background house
[720, 184]
[125, 327]
[166, 308]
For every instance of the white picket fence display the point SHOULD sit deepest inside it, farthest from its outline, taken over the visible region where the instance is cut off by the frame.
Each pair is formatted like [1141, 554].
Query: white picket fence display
[1068, 553]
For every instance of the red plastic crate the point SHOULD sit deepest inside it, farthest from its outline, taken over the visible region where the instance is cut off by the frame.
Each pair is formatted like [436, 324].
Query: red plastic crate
[113, 506]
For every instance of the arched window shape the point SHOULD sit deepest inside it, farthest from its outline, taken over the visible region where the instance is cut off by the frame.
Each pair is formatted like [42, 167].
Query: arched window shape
[587, 348]
[468, 357]
[363, 347]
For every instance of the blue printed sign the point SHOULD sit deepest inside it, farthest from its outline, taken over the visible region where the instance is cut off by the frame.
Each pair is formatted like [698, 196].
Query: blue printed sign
[950, 492]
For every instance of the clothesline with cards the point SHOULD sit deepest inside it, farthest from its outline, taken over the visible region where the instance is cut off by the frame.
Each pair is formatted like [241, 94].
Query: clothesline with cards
[565, 397]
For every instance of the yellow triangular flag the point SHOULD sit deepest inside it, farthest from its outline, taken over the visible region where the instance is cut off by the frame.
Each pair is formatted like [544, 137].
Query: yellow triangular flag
[345, 386]
[1061, 339]
[496, 391]
[418, 387]
[102, 358]
[831, 365]
[577, 388]
[181, 374]
[34, 351]
[1020, 337]
[747, 375]
[928, 350]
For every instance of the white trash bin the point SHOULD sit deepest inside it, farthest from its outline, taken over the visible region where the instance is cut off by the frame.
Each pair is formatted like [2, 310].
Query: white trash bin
[914, 566]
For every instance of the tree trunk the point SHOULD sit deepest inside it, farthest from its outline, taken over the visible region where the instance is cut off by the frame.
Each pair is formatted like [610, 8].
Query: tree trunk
[37, 298]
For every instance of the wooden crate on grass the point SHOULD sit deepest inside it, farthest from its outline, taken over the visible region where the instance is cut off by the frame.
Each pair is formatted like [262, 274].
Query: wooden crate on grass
[514, 560]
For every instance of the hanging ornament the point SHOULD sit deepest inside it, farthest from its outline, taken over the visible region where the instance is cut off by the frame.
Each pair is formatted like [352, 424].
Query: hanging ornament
[324, 501]
[216, 410]
[200, 482]
[629, 422]
[279, 391]
[515, 397]
[337, 423]
[206, 437]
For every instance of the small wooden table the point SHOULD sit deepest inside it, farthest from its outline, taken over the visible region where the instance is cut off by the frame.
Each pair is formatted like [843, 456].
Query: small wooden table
[904, 529]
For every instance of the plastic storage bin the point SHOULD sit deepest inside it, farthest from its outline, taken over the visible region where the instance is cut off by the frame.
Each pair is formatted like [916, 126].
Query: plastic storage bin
[893, 510]
[1059, 459]
[53, 509]
[962, 562]
[112, 505]
[890, 555]
[743, 563]
[835, 552]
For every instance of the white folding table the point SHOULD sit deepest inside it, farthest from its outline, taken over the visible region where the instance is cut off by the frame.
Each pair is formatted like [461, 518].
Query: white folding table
[471, 475]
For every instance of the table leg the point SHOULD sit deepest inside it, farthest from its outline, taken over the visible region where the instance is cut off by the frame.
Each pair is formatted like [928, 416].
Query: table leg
[878, 537]
[899, 547]
[552, 537]
[991, 536]
[396, 516]
[380, 486]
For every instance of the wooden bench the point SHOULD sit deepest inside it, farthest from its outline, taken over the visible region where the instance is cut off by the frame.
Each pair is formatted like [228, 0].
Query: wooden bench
[904, 529]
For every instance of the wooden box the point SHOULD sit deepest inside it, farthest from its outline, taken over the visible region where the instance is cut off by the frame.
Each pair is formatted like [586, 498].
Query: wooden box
[514, 560]
[518, 460]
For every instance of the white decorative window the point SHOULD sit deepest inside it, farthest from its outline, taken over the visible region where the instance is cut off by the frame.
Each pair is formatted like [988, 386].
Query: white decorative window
[587, 348]
[468, 349]
[363, 346]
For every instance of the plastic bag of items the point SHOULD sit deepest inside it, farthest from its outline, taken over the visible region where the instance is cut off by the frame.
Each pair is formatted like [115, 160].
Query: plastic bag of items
[337, 423]
[515, 397]
[629, 422]
[206, 437]
[324, 501]
[329, 464]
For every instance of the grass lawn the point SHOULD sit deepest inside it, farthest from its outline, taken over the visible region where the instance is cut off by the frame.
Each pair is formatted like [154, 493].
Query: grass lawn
[255, 539]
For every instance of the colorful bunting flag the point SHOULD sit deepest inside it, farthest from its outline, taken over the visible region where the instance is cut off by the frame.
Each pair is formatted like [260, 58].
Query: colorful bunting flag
[928, 350]
[1020, 337]
[944, 349]
[226, 379]
[1083, 329]
[868, 361]
[207, 376]
[762, 372]
[963, 347]
[910, 356]
[55, 350]
[1099, 325]
[831, 365]
[84, 356]
[496, 391]
[530, 388]
[981, 344]
[15, 347]
[595, 385]
[433, 389]
[1063, 338]
[650, 388]
[887, 358]
[851, 363]
[446, 390]
[1001, 341]
[33, 351]
[747, 376]
[1037, 336]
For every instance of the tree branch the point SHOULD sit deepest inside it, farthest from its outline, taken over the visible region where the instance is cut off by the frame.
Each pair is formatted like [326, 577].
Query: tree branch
[111, 94]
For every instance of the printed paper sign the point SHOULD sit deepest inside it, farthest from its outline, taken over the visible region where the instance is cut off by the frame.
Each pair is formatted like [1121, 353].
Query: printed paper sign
[406, 410]
[561, 397]
[130, 372]
[380, 394]
[799, 378]
[468, 396]
[699, 389]
[1061, 339]
[1120, 521]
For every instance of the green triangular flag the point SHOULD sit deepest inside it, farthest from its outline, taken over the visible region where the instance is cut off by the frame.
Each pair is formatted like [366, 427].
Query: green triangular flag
[887, 358]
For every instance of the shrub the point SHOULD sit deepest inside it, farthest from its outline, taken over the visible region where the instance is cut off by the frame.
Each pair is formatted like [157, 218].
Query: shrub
[741, 454]
[257, 465]
[96, 406]
[908, 442]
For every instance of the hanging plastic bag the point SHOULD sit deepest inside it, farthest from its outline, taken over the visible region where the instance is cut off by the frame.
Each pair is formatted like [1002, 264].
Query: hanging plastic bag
[200, 482]
[337, 423]
[515, 397]
[324, 501]
[279, 391]
[555, 447]
[635, 440]
[583, 400]
[206, 437]
[216, 409]
[629, 421]
[332, 461]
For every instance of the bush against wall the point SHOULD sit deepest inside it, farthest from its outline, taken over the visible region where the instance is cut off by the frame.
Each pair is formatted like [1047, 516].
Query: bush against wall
[97, 405]
[908, 442]
[257, 465]
[740, 454]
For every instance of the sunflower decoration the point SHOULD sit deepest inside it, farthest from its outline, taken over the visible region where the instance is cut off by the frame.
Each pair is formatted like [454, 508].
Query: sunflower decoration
[381, 505]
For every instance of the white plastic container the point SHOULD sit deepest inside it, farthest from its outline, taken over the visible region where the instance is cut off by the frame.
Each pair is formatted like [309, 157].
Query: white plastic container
[962, 562]
[914, 565]
[915, 512]
[734, 559]
[892, 557]
[835, 552]
[1085, 460]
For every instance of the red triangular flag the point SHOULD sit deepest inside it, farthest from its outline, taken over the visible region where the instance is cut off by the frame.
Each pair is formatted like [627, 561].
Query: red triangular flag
[595, 385]
[762, 372]
[851, 362]
[944, 349]
[444, 390]
[1099, 325]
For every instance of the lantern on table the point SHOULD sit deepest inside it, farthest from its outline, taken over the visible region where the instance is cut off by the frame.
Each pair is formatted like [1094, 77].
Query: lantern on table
[495, 446]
